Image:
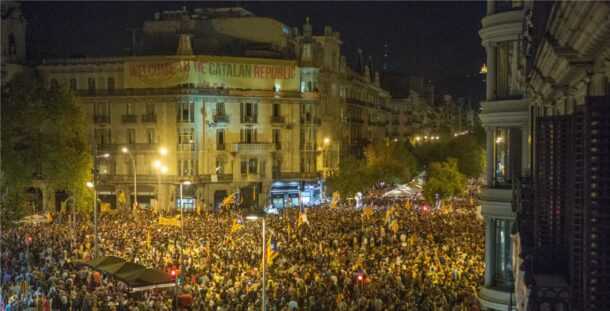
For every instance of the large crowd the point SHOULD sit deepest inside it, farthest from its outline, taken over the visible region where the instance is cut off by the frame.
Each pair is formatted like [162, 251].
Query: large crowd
[341, 259]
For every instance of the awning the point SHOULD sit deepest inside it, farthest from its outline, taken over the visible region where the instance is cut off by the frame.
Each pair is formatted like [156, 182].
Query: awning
[136, 276]
[101, 262]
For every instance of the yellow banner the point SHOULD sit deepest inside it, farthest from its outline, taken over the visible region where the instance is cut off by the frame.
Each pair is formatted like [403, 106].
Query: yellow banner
[211, 72]
[169, 221]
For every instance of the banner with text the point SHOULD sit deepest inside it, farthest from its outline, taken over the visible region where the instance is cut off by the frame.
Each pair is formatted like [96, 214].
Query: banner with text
[212, 72]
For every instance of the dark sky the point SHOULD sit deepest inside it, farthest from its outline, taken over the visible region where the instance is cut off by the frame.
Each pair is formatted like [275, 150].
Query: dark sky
[438, 40]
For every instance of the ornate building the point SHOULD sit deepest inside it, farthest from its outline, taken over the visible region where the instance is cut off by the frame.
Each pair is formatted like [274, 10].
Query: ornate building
[238, 102]
[505, 117]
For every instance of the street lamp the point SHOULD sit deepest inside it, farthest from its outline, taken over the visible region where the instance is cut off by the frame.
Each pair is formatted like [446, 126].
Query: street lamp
[135, 185]
[253, 217]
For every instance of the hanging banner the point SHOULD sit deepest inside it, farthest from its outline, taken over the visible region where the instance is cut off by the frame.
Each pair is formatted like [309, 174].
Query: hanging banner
[211, 72]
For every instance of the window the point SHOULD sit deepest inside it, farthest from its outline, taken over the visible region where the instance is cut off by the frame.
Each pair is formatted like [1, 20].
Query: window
[101, 110]
[220, 136]
[131, 136]
[220, 109]
[186, 112]
[102, 136]
[248, 136]
[73, 84]
[150, 109]
[150, 136]
[244, 167]
[502, 265]
[506, 71]
[248, 112]
[252, 166]
[110, 85]
[262, 166]
[507, 156]
[276, 136]
[276, 109]
[220, 167]
[186, 167]
[91, 84]
[12, 45]
[131, 109]
[185, 139]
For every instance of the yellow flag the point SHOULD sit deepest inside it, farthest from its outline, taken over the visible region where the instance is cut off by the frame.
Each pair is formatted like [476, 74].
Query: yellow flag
[148, 239]
[49, 217]
[368, 211]
[394, 226]
[198, 208]
[122, 198]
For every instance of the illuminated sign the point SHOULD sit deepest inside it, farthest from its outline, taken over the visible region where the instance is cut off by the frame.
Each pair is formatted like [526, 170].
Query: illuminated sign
[211, 71]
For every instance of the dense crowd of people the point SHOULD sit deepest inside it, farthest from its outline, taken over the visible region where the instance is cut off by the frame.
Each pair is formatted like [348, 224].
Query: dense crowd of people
[390, 256]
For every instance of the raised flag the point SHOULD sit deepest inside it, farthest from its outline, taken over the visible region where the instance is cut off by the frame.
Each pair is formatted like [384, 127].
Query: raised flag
[394, 226]
[49, 217]
[271, 252]
[148, 238]
[237, 224]
[230, 199]
[198, 208]
[368, 211]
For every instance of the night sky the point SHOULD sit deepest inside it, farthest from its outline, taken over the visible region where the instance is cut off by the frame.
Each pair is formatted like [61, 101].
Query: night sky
[438, 40]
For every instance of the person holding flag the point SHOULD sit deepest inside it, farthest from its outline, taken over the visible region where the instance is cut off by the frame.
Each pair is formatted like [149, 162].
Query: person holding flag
[237, 224]
[122, 199]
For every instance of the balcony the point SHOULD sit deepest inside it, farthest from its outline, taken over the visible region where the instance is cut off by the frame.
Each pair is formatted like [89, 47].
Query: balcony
[278, 146]
[131, 147]
[236, 147]
[221, 119]
[220, 146]
[149, 118]
[308, 146]
[220, 178]
[248, 119]
[101, 119]
[185, 147]
[355, 120]
[296, 175]
[277, 120]
[130, 118]
[311, 121]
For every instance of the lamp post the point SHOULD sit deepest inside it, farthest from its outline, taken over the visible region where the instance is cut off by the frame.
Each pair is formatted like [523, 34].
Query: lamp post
[93, 186]
[256, 216]
[135, 185]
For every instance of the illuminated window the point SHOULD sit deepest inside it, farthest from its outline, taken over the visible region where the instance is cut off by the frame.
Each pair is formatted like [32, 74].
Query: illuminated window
[220, 167]
[186, 167]
[186, 112]
[507, 156]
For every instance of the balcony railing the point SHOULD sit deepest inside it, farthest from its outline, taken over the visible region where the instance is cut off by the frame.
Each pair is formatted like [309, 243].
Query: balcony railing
[248, 119]
[130, 118]
[220, 177]
[101, 119]
[185, 147]
[277, 120]
[308, 146]
[311, 121]
[236, 147]
[296, 175]
[220, 146]
[221, 119]
[149, 118]
[131, 147]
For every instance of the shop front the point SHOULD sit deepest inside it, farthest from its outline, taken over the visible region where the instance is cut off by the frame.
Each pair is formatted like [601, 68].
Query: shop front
[287, 193]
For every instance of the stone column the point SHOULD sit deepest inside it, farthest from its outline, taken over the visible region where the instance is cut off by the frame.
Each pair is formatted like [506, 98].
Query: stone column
[489, 248]
[490, 93]
[490, 143]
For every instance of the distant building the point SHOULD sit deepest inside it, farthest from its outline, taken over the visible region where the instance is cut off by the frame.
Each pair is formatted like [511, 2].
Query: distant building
[239, 102]
[14, 27]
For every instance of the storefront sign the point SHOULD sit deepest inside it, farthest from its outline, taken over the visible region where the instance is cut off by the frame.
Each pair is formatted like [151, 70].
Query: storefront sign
[211, 71]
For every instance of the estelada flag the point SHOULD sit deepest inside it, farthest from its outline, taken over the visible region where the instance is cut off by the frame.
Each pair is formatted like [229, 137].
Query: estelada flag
[230, 199]
[236, 225]
[271, 252]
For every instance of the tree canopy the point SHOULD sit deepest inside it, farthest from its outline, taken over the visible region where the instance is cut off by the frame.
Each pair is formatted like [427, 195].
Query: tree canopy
[466, 149]
[443, 179]
[45, 137]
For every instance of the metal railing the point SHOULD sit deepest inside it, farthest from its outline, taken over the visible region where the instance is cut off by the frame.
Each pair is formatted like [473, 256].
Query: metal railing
[130, 118]
[277, 119]
[236, 147]
[221, 119]
[248, 119]
[101, 119]
[149, 118]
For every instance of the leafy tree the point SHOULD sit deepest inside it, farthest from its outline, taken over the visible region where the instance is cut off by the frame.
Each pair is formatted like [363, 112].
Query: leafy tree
[390, 162]
[466, 149]
[45, 137]
[353, 176]
[445, 179]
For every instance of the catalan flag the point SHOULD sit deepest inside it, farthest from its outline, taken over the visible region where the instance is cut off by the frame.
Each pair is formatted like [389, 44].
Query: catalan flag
[231, 199]
[49, 217]
[198, 208]
[271, 252]
[122, 198]
[302, 217]
[237, 224]
[368, 211]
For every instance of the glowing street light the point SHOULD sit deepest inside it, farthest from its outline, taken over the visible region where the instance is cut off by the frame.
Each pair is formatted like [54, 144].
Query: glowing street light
[163, 151]
[90, 184]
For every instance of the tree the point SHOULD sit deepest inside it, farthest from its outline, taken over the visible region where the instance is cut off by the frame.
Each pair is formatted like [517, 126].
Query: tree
[45, 137]
[466, 149]
[444, 179]
[390, 162]
[352, 177]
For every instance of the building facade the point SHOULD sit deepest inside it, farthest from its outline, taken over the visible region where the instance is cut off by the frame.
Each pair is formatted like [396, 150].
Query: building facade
[505, 117]
[265, 111]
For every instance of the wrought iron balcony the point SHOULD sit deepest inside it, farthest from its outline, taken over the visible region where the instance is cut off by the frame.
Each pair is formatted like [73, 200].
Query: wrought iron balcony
[149, 118]
[248, 119]
[130, 118]
[221, 119]
[277, 120]
[101, 119]
[236, 147]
